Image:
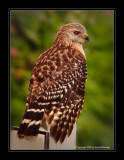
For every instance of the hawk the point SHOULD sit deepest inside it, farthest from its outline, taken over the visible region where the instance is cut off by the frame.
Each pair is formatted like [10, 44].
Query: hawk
[57, 85]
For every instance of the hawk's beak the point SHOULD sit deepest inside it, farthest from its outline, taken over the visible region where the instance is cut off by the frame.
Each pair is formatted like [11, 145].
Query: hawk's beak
[86, 37]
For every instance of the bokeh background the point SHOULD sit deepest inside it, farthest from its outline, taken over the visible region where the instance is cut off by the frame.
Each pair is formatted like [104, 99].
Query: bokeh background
[34, 31]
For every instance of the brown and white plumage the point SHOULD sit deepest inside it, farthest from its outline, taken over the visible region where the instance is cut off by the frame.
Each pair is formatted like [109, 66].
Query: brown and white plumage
[57, 85]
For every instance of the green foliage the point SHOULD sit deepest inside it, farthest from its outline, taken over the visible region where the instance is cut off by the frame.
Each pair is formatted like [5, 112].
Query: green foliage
[32, 32]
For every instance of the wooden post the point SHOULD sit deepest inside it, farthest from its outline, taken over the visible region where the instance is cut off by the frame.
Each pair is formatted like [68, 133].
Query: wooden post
[42, 142]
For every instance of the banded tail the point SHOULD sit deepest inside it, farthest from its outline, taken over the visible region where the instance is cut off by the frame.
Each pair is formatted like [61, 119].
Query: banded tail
[31, 121]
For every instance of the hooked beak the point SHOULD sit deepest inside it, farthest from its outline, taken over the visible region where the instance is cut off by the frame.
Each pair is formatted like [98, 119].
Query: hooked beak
[86, 37]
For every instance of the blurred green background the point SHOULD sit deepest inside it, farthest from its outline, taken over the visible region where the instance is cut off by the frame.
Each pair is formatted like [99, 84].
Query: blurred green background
[32, 32]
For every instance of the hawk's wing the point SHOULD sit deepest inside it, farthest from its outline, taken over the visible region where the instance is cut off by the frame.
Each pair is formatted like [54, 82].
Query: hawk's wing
[57, 90]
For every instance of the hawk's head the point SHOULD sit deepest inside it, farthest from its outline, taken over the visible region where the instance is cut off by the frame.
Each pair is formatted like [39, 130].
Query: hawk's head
[73, 32]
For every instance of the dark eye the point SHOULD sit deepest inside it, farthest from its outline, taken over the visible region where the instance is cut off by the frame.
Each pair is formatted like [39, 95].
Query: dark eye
[76, 32]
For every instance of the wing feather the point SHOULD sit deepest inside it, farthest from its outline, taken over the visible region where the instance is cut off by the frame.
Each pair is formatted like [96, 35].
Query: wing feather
[57, 88]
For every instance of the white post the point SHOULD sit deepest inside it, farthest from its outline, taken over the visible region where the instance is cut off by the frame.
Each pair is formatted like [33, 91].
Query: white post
[42, 141]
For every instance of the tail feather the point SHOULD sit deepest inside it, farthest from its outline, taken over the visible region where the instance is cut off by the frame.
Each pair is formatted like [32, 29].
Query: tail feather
[63, 135]
[57, 134]
[21, 130]
[61, 122]
[31, 122]
[62, 125]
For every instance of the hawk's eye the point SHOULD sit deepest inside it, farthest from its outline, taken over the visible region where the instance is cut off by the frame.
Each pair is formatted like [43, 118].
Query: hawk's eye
[76, 32]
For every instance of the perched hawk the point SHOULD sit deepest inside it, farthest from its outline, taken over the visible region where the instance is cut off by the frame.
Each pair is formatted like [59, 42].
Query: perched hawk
[57, 85]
